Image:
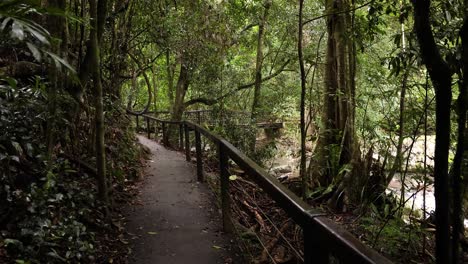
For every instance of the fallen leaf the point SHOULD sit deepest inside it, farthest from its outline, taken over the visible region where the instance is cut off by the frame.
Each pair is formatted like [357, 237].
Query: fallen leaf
[152, 233]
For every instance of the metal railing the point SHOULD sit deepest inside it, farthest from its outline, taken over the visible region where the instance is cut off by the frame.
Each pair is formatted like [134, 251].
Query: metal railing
[322, 237]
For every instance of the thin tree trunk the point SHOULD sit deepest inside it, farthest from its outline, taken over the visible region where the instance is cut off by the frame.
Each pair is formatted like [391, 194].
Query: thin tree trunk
[99, 106]
[401, 129]
[57, 27]
[398, 158]
[181, 90]
[142, 70]
[441, 78]
[256, 105]
[459, 155]
[155, 89]
[303, 173]
[170, 78]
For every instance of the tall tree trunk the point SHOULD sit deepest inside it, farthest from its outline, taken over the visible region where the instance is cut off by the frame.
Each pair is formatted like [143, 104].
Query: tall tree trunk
[178, 108]
[155, 88]
[120, 27]
[58, 28]
[335, 147]
[460, 155]
[399, 155]
[99, 106]
[142, 70]
[256, 105]
[336, 157]
[170, 77]
[303, 99]
[181, 89]
[440, 74]
[401, 129]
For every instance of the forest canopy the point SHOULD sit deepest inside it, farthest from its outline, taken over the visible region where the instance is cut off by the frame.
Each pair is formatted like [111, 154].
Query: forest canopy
[371, 97]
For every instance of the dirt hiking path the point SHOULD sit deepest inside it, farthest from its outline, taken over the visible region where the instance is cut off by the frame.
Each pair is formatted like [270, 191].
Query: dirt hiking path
[175, 220]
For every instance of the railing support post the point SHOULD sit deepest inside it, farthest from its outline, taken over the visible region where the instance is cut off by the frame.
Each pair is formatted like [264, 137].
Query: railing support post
[148, 127]
[156, 128]
[199, 117]
[181, 136]
[164, 134]
[137, 123]
[187, 142]
[314, 251]
[199, 156]
[224, 183]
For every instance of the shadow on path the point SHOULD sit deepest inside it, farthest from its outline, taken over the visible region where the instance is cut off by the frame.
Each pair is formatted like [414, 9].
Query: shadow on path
[175, 221]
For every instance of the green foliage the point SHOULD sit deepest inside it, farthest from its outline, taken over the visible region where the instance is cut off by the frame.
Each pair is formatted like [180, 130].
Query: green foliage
[123, 156]
[50, 219]
[16, 25]
[44, 205]
[22, 112]
[238, 133]
[399, 240]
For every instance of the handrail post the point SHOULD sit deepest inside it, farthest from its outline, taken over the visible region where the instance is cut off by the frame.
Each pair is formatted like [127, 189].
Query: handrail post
[314, 251]
[148, 127]
[181, 136]
[164, 134]
[199, 156]
[156, 128]
[187, 142]
[137, 123]
[224, 183]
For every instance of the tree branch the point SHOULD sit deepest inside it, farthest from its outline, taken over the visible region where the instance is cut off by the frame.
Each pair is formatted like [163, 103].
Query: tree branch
[337, 13]
[207, 101]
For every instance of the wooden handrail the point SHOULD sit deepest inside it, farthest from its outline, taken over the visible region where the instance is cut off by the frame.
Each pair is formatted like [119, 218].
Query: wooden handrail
[322, 237]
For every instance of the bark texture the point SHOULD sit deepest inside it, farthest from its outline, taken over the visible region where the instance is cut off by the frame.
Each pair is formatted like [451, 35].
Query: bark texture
[336, 151]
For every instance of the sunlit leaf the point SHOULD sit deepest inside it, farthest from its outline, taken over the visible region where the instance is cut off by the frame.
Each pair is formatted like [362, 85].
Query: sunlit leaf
[17, 30]
[5, 22]
[41, 35]
[60, 62]
[35, 51]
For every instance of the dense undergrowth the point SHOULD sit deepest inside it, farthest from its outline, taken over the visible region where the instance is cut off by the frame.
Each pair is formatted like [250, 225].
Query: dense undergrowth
[49, 211]
[266, 234]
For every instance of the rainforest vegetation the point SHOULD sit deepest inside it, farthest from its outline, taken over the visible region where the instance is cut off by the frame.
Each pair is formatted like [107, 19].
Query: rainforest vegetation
[371, 97]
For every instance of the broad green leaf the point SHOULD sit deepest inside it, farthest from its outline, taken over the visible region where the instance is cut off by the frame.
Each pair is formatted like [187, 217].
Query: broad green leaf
[35, 51]
[59, 61]
[17, 30]
[38, 34]
[17, 146]
[5, 23]
[11, 82]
